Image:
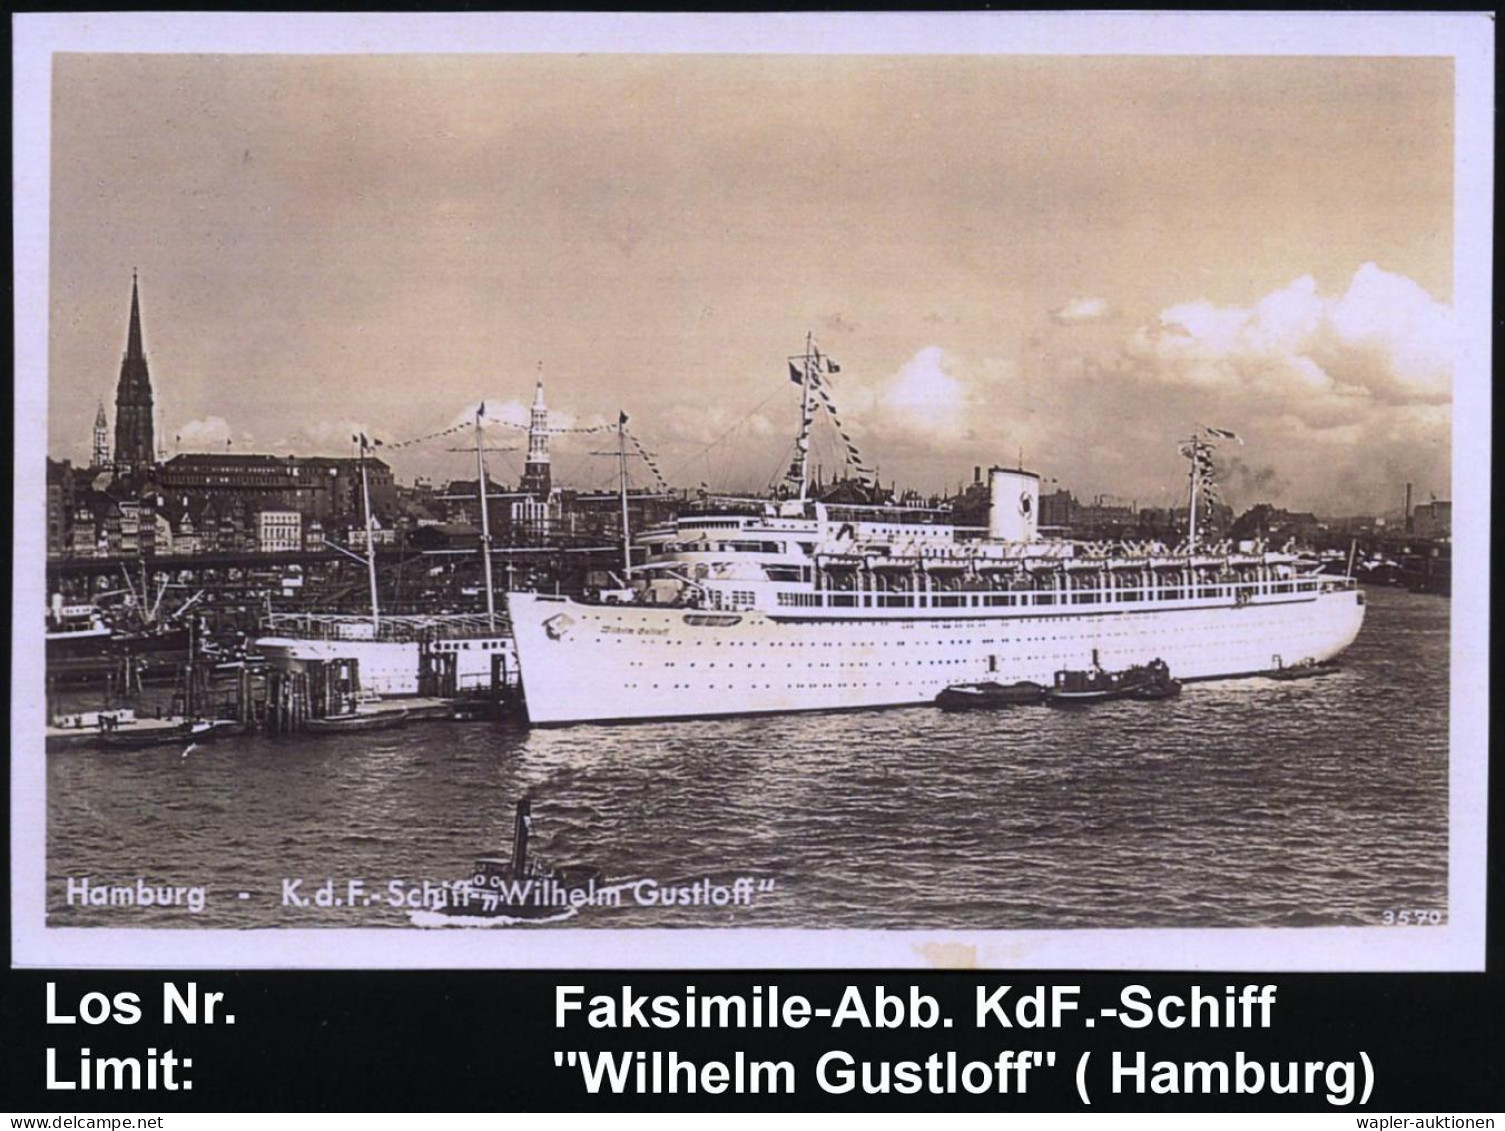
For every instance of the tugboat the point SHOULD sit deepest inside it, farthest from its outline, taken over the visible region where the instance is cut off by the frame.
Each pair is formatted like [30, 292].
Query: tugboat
[989, 695]
[1097, 685]
[1302, 669]
[521, 888]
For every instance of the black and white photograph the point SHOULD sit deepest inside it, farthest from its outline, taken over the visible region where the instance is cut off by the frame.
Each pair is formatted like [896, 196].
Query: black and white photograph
[951, 491]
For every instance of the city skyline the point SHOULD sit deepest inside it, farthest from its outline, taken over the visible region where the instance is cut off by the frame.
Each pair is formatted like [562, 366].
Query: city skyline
[320, 239]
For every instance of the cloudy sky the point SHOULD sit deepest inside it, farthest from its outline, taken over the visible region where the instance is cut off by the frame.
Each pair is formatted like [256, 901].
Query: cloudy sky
[1074, 259]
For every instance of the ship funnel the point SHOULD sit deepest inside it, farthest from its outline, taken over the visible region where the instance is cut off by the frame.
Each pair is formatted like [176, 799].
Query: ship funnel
[1014, 505]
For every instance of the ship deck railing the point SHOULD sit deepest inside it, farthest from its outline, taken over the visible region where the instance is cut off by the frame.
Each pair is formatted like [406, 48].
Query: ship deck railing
[402, 628]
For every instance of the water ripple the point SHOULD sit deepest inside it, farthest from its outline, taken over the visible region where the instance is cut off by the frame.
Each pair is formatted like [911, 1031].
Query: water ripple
[1247, 803]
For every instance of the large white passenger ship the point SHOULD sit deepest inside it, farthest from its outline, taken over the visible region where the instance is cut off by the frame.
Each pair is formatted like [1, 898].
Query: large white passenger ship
[804, 607]
[797, 610]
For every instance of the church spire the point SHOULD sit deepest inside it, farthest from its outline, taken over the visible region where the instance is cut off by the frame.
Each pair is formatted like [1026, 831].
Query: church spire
[100, 459]
[537, 480]
[135, 447]
[133, 348]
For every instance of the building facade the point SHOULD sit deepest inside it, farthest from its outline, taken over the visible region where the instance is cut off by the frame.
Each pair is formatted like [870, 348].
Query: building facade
[317, 487]
[279, 532]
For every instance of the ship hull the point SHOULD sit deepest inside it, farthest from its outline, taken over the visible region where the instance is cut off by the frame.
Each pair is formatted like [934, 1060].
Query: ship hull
[610, 663]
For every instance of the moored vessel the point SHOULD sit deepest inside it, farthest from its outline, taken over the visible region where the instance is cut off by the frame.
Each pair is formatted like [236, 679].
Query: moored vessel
[81, 647]
[1096, 685]
[797, 605]
[157, 732]
[1308, 668]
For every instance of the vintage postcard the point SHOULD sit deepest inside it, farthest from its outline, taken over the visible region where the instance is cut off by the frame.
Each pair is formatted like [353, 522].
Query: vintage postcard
[779, 491]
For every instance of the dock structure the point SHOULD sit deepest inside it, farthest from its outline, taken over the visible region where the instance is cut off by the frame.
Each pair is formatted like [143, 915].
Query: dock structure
[283, 702]
[333, 690]
[287, 702]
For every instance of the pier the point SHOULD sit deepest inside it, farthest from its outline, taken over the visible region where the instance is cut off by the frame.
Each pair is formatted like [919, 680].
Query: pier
[208, 705]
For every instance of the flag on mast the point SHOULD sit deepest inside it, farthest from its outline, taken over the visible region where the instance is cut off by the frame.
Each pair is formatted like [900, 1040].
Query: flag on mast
[1223, 434]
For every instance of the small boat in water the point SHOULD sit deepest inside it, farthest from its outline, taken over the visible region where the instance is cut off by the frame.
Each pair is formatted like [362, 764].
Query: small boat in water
[523, 887]
[1302, 669]
[356, 721]
[1098, 685]
[83, 728]
[148, 733]
[989, 695]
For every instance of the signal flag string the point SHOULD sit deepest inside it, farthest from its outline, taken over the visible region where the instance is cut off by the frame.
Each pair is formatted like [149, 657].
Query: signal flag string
[658, 478]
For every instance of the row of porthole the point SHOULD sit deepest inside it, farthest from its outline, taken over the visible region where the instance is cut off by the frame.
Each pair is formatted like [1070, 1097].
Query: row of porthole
[787, 686]
[1074, 638]
[853, 664]
[974, 659]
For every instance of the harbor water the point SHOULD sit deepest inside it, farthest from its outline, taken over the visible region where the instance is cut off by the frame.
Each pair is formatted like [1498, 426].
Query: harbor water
[1251, 802]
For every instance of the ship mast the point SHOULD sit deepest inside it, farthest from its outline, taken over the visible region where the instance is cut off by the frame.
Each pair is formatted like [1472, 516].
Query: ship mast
[804, 440]
[485, 521]
[370, 543]
[1191, 532]
[622, 483]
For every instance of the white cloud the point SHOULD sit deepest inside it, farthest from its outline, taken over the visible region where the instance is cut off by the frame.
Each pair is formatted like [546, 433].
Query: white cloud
[1339, 396]
[1326, 361]
[924, 396]
[1079, 310]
